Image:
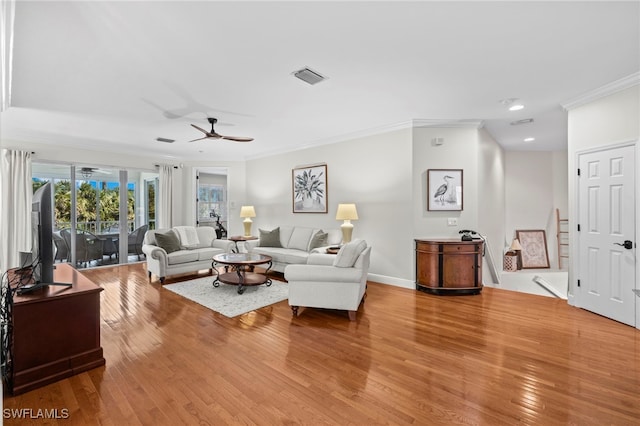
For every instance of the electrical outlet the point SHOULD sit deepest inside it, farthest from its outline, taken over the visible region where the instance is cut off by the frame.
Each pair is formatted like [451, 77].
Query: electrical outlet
[452, 221]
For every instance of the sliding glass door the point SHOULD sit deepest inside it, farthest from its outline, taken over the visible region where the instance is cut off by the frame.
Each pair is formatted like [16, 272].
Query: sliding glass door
[100, 214]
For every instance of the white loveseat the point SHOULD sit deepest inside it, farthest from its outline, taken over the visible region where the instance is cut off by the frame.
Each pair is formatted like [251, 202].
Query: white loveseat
[331, 281]
[195, 250]
[295, 245]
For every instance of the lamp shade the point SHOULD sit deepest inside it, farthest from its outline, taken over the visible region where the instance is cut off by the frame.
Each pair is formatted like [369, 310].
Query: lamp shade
[347, 212]
[247, 211]
[515, 245]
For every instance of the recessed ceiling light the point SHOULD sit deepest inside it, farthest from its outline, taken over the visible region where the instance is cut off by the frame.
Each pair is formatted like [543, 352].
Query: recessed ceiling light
[529, 139]
[512, 104]
[507, 101]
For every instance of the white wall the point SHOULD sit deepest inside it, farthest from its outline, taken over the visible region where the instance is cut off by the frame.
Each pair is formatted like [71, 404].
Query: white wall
[606, 121]
[385, 175]
[535, 185]
[373, 172]
[482, 161]
[492, 204]
[459, 151]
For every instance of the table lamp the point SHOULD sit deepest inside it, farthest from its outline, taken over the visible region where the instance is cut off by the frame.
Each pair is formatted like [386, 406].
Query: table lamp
[515, 246]
[247, 212]
[347, 212]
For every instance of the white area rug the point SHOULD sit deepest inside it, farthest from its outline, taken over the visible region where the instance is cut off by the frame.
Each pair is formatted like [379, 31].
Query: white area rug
[225, 298]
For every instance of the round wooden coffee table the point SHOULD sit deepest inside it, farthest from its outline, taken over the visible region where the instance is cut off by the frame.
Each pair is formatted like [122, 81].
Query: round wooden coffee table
[241, 265]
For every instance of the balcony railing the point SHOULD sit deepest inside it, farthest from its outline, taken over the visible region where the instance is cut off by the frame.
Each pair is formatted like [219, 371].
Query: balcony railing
[102, 227]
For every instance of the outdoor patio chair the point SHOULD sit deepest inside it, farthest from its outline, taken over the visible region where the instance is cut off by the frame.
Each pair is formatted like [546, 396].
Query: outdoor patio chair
[88, 246]
[134, 241]
[62, 250]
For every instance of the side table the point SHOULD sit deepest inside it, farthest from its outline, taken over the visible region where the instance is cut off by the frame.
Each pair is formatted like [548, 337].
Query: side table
[240, 238]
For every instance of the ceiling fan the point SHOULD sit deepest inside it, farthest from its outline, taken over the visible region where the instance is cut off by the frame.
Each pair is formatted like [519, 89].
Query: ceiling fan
[213, 135]
[87, 172]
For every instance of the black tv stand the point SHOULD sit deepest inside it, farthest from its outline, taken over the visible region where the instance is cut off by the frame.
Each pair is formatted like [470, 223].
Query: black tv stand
[28, 288]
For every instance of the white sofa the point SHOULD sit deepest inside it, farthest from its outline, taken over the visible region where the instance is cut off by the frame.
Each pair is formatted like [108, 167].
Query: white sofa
[331, 281]
[190, 257]
[294, 242]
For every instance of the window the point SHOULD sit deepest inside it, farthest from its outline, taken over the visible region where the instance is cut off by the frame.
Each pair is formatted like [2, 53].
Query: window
[212, 203]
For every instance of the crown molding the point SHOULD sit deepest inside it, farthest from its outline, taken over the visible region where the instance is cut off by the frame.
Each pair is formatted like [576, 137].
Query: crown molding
[457, 124]
[410, 124]
[340, 138]
[601, 92]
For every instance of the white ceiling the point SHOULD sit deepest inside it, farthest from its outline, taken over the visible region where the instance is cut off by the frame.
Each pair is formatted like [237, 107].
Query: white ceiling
[116, 75]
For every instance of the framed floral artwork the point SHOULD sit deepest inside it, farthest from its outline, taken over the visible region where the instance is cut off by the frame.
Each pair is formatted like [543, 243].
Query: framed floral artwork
[310, 189]
[444, 189]
[534, 248]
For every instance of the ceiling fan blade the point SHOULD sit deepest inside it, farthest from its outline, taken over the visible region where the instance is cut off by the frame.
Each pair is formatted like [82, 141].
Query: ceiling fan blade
[199, 139]
[237, 138]
[213, 135]
[201, 129]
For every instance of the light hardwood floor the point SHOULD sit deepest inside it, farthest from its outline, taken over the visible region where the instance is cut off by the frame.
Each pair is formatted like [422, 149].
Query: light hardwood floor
[499, 358]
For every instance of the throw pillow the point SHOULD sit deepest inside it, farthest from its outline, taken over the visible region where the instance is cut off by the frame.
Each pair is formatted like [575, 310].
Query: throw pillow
[320, 239]
[169, 241]
[300, 238]
[270, 238]
[187, 235]
[349, 253]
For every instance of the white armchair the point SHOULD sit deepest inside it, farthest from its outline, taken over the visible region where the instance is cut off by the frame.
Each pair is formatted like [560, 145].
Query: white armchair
[331, 281]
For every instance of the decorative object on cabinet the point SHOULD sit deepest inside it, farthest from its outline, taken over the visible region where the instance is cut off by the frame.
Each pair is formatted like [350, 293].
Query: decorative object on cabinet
[444, 189]
[310, 189]
[534, 248]
[347, 212]
[247, 212]
[449, 266]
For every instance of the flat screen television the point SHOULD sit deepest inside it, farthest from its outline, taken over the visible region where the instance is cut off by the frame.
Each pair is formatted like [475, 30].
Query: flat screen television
[42, 251]
[42, 228]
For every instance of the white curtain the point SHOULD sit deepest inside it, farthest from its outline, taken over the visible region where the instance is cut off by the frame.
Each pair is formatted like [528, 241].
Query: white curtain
[7, 16]
[165, 197]
[15, 206]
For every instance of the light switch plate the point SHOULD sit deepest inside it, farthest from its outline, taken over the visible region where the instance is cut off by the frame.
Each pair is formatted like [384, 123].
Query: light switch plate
[452, 221]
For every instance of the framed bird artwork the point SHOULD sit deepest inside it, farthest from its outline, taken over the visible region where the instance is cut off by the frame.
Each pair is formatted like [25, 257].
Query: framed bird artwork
[444, 189]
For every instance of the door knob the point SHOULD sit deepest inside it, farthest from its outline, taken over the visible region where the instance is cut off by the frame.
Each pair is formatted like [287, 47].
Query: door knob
[627, 244]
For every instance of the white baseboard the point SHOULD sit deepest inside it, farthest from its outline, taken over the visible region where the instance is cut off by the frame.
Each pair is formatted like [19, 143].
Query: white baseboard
[398, 282]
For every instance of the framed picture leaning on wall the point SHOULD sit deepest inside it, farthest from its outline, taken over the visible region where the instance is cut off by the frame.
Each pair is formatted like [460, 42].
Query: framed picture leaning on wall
[444, 189]
[534, 248]
[310, 189]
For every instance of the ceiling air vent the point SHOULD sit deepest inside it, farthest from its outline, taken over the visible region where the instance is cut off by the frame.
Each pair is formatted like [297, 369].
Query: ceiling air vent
[309, 76]
[165, 140]
[523, 121]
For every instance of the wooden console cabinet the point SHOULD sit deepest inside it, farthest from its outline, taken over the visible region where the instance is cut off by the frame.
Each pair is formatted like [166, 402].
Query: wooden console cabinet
[56, 331]
[449, 266]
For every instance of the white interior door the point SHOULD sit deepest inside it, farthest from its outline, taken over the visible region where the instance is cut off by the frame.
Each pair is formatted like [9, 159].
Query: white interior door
[606, 216]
